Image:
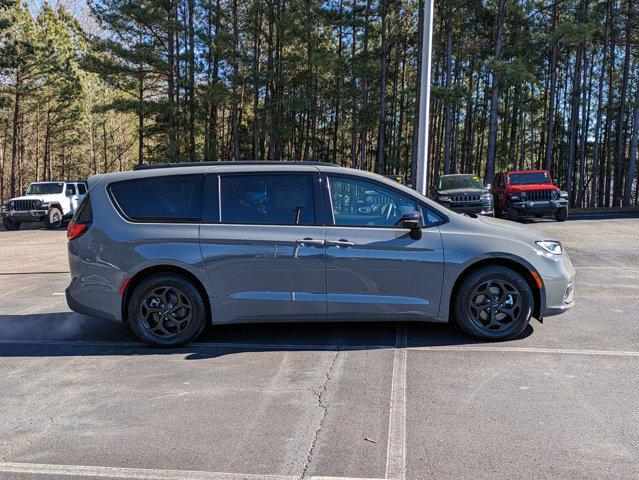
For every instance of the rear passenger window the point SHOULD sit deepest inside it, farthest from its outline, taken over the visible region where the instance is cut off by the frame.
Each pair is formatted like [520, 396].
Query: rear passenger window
[176, 198]
[84, 213]
[267, 199]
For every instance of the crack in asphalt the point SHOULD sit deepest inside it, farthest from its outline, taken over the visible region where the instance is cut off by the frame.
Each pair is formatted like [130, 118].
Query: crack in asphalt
[321, 403]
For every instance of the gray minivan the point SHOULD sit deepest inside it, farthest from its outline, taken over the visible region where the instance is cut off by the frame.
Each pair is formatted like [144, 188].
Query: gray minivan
[169, 248]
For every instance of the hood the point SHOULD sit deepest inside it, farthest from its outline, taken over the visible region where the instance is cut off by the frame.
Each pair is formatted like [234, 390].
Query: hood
[503, 228]
[532, 186]
[461, 191]
[42, 198]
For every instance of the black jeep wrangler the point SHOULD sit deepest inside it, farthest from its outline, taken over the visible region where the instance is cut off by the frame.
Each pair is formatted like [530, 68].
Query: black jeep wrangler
[463, 193]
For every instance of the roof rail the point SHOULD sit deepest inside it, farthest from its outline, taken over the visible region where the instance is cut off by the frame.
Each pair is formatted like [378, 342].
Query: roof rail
[151, 166]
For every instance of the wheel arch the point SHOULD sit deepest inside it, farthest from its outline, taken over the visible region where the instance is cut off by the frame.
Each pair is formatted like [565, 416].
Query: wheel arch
[158, 270]
[519, 265]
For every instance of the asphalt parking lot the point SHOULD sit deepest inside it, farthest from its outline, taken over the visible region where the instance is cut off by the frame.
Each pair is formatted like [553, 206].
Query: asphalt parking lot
[79, 398]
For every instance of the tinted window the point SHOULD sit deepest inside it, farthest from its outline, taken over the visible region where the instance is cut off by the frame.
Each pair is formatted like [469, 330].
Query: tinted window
[160, 199]
[268, 199]
[70, 189]
[82, 189]
[44, 188]
[84, 214]
[529, 177]
[460, 181]
[358, 203]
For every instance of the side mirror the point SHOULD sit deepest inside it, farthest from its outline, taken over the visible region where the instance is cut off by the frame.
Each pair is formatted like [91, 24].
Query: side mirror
[489, 186]
[413, 221]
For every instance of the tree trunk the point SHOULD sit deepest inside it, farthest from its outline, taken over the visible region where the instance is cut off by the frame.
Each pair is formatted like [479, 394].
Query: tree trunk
[618, 172]
[633, 151]
[14, 142]
[553, 86]
[494, 94]
[379, 165]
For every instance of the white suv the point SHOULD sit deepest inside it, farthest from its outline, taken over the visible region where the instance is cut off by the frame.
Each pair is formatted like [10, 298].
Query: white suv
[48, 202]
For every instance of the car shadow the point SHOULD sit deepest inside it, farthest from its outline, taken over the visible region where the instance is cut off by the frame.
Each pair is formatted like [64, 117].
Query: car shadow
[73, 334]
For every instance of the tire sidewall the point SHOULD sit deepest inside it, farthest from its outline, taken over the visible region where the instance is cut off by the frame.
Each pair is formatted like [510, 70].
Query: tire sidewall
[512, 213]
[562, 214]
[10, 225]
[486, 273]
[48, 224]
[199, 312]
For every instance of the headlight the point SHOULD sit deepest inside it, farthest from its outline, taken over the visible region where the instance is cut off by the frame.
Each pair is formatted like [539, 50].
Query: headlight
[444, 198]
[551, 246]
[10, 205]
[554, 194]
[486, 197]
[37, 203]
[523, 195]
[563, 194]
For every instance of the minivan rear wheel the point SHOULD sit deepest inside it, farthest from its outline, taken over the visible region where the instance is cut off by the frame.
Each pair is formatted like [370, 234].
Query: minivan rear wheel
[166, 310]
[494, 303]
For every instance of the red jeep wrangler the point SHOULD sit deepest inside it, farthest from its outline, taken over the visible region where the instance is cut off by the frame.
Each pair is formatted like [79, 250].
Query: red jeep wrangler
[527, 193]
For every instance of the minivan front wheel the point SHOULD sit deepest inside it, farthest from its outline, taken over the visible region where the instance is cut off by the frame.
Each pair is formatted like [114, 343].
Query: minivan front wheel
[166, 310]
[494, 303]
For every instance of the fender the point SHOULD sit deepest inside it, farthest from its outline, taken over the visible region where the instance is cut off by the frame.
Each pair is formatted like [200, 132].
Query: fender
[454, 272]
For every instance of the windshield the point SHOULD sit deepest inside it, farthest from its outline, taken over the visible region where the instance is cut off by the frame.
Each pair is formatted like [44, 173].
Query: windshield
[44, 188]
[460, 181]
[528, 177]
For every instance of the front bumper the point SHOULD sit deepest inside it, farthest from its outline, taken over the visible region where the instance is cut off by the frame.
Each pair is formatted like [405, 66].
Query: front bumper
[539, 206]
[558, 277]
[24, 216]
[476, 208]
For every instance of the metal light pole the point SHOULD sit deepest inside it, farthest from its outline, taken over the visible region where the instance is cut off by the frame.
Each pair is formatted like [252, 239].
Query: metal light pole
[424, 99]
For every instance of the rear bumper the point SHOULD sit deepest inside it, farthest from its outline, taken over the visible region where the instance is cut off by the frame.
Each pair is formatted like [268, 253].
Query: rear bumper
[540, 206]
[24, 216]
[83, 309]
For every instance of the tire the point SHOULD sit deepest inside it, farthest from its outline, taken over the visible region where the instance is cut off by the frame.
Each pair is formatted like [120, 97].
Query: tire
[10, 225]
[53, 220]
[150, 316]
[489, 322]
[513, 215]
[562, 214]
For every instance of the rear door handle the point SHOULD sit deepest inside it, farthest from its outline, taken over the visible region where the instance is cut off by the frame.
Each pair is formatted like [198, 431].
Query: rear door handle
[309, 242]
[340, 243]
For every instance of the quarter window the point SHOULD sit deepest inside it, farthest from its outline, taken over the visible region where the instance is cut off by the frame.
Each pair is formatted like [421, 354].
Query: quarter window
[176, 198]
[82, 189]
[358, 203]
[268, 199]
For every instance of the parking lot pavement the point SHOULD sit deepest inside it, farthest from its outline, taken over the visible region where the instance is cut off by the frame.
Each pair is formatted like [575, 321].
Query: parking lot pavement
[79, 398]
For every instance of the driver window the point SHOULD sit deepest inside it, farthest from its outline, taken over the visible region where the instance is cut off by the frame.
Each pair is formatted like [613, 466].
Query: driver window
[358, 203]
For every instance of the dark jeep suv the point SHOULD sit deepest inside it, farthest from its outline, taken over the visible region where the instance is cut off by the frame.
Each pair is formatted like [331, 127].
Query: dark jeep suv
[463, 193]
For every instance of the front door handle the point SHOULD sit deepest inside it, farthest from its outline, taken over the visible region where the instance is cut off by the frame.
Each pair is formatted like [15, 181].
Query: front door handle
[309, 242]
[342, 243]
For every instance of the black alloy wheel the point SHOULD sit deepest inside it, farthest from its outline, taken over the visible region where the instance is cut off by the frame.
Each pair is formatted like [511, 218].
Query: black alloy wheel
[494, 303]
[166, 310]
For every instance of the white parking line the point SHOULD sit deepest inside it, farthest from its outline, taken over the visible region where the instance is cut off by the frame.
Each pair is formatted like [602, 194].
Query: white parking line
[396, 448]
[140, 473]
[560, 351]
